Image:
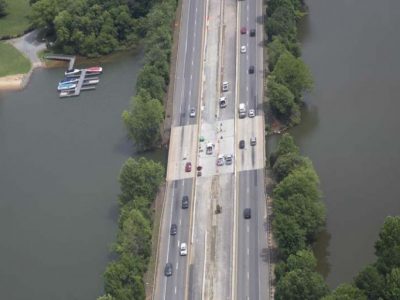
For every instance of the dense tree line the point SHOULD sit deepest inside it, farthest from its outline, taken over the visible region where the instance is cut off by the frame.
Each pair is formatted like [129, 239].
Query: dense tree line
[146, 114]
[91, 27]
[139, 180]
[298, 216]
[289, 77]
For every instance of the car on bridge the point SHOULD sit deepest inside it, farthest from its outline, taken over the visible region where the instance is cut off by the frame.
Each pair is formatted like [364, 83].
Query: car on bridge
[168, 269]
[173, 229]
[185, 202]
[183, 249]
[188, 167]
[247, 213]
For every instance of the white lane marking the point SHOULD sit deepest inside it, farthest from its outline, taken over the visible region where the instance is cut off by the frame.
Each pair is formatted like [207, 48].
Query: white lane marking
[248, 251]
[248, 275]
[175, 290]
[169, 238]
[248, 228]
[177, 264]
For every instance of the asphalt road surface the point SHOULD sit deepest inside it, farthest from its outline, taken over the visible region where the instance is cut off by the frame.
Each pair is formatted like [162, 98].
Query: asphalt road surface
[186, 96]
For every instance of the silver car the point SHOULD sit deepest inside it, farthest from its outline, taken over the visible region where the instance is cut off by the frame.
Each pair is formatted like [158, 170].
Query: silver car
[252, 113]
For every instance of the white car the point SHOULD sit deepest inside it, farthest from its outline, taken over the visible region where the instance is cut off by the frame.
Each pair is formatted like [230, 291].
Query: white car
[183, 249]
[243, 49]
[228, 159]
[225, 86]
[192, 112]
[220, 160]
[252, 113]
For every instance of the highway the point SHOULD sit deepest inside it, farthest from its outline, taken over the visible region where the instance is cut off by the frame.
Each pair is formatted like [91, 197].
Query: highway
[226, 253]
[252, 281]
[182, 149]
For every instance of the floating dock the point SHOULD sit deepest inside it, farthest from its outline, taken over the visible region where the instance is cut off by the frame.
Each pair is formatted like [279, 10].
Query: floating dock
[87, 81]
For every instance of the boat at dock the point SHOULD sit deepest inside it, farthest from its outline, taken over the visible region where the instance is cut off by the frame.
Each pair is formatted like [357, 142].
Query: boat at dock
[68, 80]
[68, 93]
[91, 81]
[94, 70]
[67, 86]
[72, 72]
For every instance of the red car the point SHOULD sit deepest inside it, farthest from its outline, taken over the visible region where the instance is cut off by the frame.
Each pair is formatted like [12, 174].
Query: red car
[188, 167]
[243, 30]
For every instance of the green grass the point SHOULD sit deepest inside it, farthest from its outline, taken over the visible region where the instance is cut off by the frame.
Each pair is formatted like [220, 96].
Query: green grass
[12, 61]
[16, 21]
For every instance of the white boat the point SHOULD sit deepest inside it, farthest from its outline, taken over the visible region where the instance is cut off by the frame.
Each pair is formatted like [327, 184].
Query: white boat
[72, 72]
[94, 70]
[91, 81]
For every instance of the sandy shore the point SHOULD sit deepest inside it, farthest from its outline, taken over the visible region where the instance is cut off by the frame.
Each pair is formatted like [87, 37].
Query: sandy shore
[12, 82]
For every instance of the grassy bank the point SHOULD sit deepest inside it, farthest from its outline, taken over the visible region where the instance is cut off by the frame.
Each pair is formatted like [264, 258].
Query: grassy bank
[12, 61]
[16, 21]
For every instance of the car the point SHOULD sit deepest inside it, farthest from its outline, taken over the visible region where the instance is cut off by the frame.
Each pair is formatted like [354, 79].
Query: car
[247, 213]
[222, 102]
[168, 269]
[251, 69]
[252, 32]
[188, 167]
[253, 141]
[192, 112]
[228, 159]
[252, 113]
[173, 229]
[185, 202]
[183, 249]
[241, 144]
[225, 86]
[220, 160]
[243, 30]
[243, 49]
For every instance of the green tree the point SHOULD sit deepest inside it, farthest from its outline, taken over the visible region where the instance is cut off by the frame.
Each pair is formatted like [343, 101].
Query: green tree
[387, 247]
[308, 213]
[123, 279]
[392, 287]
[290, 237]
[3, 8]
[286, 145]
[139, 203]
[143, 121]
[371, 282]
[140, 178]
[303, 260]
[301, 284]
[294, 74]
[135, 236]
[287, 163]
[282, 102]
[303, 181]
[346, 292]
[275, 49]
[149, 79]
[282, 23]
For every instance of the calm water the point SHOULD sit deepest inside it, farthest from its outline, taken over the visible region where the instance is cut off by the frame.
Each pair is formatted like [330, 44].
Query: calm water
[59, 163]
[351, 124]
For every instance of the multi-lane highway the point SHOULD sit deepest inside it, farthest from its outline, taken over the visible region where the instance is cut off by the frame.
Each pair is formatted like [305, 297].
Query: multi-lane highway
[252, 260]
[183, 140]
[225, 251]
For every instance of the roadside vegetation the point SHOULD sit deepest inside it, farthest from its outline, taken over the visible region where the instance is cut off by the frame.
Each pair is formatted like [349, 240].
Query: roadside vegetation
[289, 76]
[298, 211]
[14, 18]
[140, 178]
[12, 61]
[143, 119]
[299, 215]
